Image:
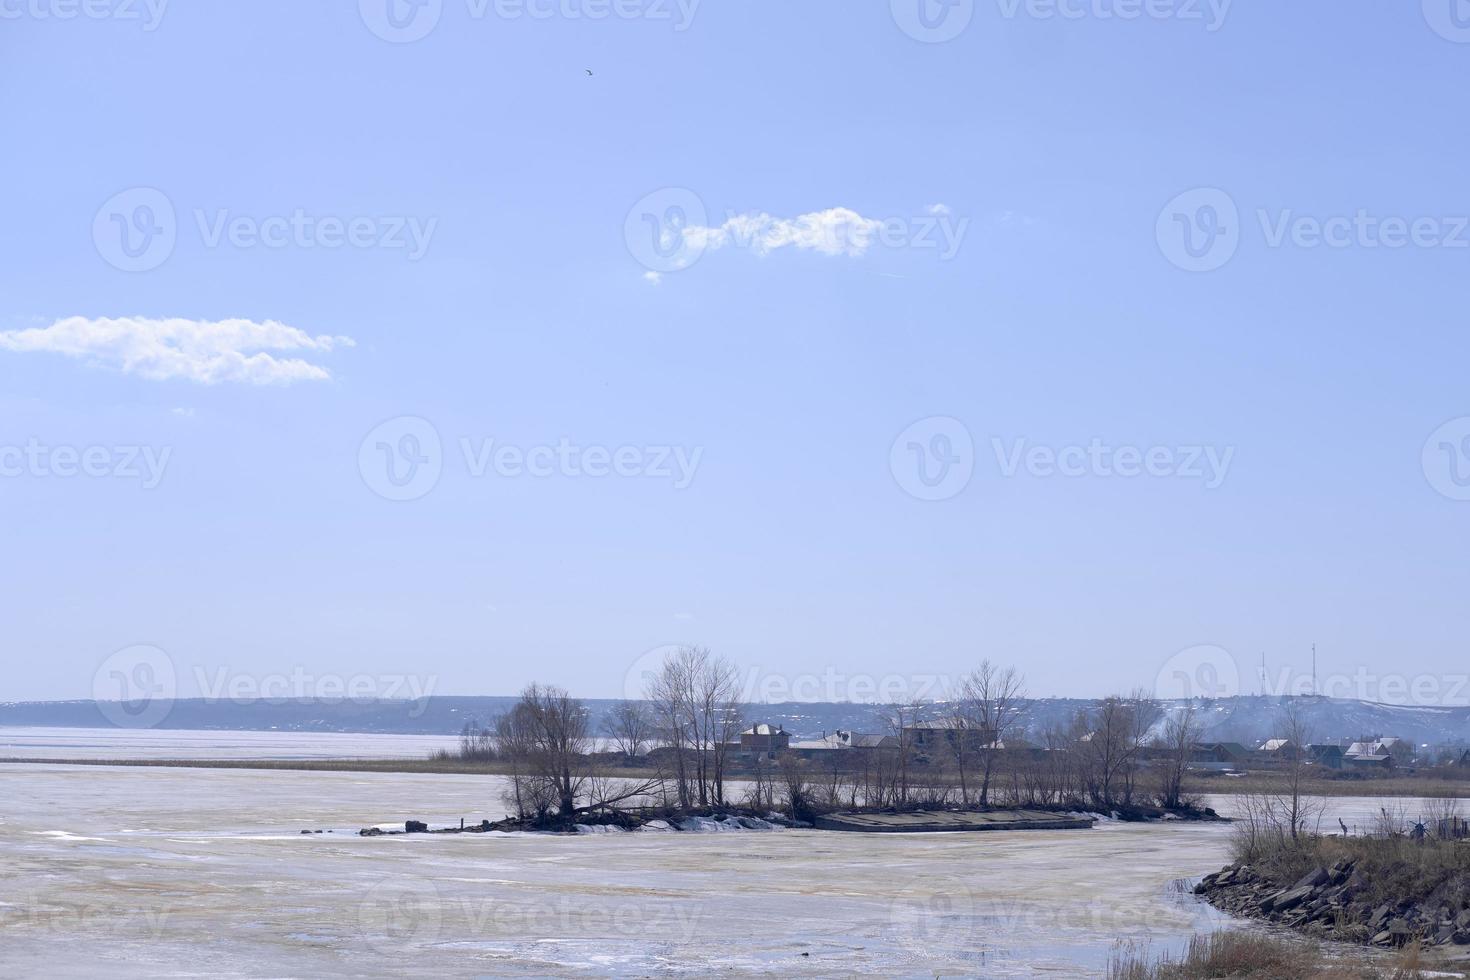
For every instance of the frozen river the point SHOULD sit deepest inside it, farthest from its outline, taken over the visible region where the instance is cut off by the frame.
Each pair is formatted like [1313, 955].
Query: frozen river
[110, 743]
[137, 872]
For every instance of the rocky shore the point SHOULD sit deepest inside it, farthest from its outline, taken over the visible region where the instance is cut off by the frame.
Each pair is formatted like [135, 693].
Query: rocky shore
[705, 821]
[1329, 903]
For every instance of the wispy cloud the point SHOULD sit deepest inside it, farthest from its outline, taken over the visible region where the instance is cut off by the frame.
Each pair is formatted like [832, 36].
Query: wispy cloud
[203, 351]
[653, 278]
[836, 231]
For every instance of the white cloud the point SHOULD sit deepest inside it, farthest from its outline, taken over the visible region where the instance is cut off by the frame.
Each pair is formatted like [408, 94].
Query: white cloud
[202, 351]
[653, 278]
[836, 231]
[938, 209]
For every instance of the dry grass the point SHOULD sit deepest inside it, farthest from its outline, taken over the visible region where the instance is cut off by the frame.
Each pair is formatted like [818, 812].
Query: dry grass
[1251, 956]
[1437, 784]
[1391, 869]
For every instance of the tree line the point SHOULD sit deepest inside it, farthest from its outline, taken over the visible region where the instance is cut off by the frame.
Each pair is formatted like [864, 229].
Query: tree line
[679, 748]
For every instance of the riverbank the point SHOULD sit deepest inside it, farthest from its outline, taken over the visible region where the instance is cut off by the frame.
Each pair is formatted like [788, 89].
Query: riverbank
[1338, 785]
[1377, 787]
[874, 820]
[1384, 892]
[693, 820]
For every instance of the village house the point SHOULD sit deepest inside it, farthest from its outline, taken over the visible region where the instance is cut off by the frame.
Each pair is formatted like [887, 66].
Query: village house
[1402, 750]
[947, 733]
[1325, 755]
[1280, 749]
[1372, 752]
[764, 739]
[1367, 761]
[852, 746]
[1219, 756]
[846, 741]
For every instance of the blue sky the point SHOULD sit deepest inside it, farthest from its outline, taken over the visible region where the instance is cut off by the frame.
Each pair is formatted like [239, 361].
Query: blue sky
[822, 151]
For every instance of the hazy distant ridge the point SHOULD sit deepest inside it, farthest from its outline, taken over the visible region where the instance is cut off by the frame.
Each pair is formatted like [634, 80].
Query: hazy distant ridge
[1233, 719]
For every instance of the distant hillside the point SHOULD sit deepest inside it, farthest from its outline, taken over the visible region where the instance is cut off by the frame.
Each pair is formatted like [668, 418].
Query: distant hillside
[1243, 719]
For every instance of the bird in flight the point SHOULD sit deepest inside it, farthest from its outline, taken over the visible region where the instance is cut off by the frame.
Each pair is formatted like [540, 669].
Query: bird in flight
[589, 71]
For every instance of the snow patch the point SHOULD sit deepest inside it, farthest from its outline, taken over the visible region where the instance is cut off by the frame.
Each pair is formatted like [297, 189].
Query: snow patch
[723, 824]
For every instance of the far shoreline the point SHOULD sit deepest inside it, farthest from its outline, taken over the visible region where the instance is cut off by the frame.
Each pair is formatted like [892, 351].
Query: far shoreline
[1386, 787]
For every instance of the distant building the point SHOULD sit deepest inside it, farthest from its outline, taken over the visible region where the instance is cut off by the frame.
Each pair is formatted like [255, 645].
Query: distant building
[763, 738]
[948, 733]
[840, 739]
[1325, 755]
[1401, 749]
[1219, 755]
[854, 744]
[1398, 750]
[1282, 748]
[1208, 756]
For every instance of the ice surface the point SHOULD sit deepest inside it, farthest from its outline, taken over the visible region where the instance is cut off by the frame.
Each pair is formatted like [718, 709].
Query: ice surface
[137, 872]
[111, 743]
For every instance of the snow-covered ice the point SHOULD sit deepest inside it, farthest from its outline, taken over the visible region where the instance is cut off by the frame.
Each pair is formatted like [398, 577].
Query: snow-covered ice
[224, 884]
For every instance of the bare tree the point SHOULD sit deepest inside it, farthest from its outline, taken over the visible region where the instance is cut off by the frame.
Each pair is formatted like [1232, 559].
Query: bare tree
[1107, 744]
[669, 694]
[991, 700]
[902, 719]
[718, 689]
[1293, 803]
[630, 727]
[796, 785]
[760, 791]
[697, 714]
[1181, 732]
[529, 792]
[545, 738]
[1144, 713]
[1270, 822]
[546, 734]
